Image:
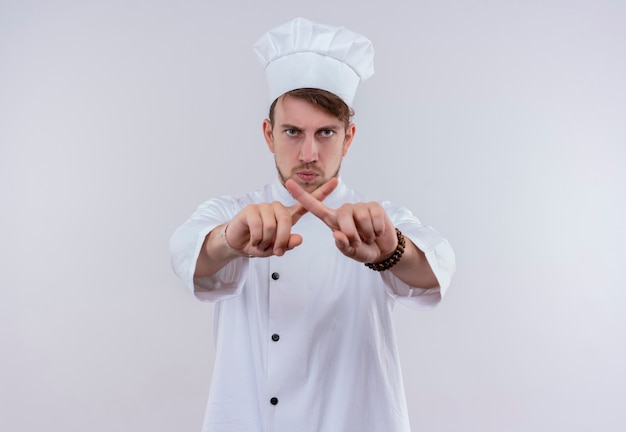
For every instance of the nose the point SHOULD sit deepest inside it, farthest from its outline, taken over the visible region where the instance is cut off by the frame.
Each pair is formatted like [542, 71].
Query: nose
[308, 150]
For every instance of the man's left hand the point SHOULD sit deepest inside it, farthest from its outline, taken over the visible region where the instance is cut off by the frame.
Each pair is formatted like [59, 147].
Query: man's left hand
[362, 231]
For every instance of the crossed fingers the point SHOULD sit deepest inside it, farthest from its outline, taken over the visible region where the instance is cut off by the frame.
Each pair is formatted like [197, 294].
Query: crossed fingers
[362, 231]
[298, 210]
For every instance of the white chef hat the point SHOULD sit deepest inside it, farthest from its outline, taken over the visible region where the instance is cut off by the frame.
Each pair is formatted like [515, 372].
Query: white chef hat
[302, 53]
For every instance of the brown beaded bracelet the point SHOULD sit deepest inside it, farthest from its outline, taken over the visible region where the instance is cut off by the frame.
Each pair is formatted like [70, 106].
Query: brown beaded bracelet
[393, 259]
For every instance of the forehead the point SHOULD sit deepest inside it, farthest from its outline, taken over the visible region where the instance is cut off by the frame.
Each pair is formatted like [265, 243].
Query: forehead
[300, 112]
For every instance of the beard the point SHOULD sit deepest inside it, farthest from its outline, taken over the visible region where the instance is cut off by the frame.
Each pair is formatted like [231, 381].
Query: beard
[308, 186]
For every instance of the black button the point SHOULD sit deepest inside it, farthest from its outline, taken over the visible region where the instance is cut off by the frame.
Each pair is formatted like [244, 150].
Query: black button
[275, 337]
[275, 276]
[274, 401]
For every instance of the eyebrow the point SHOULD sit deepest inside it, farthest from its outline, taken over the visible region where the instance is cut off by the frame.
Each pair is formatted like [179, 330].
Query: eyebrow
[329, 127]
[289, 126]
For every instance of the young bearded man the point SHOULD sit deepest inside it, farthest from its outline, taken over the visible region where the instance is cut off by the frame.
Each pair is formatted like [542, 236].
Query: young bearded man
[305, 272]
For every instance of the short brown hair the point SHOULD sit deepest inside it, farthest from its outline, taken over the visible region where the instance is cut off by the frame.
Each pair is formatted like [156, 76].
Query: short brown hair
[328, 102]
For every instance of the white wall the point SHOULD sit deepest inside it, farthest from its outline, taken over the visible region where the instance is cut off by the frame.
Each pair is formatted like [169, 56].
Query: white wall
[500, 123]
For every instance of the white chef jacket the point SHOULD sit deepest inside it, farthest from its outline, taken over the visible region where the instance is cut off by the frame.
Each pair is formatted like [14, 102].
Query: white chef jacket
[305, 342]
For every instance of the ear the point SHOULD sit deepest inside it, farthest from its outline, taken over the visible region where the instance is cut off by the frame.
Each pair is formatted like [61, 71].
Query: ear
[268, 134]
[350, 132]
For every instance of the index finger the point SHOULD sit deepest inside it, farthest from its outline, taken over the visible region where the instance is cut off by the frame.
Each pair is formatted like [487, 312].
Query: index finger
[312, 204]
[319, 194]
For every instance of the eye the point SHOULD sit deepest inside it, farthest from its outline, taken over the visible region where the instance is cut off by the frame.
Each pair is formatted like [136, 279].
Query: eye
[327, 133]
[291, 132]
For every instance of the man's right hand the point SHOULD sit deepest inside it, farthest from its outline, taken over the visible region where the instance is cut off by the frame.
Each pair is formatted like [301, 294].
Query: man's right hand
[262, 230]
[259, 230]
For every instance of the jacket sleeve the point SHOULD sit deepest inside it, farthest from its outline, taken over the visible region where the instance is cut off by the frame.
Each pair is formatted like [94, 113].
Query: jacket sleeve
[439, 255]
[185, 245]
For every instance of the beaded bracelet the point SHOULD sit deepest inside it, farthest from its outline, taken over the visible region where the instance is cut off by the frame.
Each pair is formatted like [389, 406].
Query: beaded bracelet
[393, 259]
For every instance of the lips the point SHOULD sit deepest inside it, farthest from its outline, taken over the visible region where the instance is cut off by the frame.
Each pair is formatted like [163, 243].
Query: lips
[307, 176]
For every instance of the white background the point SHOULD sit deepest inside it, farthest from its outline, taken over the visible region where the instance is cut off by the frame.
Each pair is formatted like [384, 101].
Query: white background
[500, 123]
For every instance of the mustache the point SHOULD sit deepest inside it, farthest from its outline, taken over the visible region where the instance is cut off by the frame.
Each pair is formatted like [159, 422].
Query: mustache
[307, 167]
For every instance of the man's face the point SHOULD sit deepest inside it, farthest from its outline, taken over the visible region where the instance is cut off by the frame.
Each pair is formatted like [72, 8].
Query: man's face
[308, 144]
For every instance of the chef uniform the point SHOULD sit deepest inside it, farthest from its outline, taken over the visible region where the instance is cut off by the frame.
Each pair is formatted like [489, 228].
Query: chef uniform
[305, 341]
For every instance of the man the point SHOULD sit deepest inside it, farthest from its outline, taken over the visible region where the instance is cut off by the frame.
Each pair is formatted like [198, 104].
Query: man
[305, 272]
